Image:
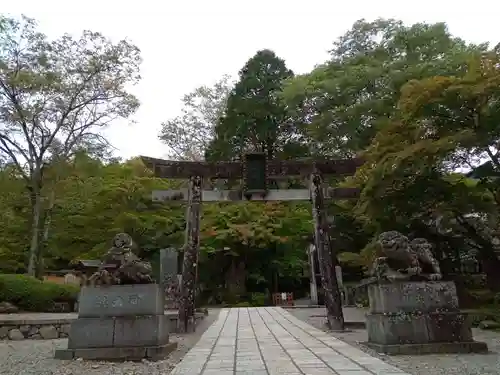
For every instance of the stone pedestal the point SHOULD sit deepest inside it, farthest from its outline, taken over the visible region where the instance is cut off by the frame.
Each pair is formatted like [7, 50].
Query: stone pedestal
[418, 318]
[119, 322]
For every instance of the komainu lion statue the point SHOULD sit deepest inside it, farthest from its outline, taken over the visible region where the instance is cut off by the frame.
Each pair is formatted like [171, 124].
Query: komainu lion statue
[405, 260]
[121, 266]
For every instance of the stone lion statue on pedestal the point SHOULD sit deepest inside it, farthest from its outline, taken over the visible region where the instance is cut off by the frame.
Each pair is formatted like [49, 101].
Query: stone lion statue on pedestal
[403, 259]
[121, 266]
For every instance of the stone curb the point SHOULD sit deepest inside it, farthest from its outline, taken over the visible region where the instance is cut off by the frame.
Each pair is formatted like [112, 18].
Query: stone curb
[34, 331]
[49, 329]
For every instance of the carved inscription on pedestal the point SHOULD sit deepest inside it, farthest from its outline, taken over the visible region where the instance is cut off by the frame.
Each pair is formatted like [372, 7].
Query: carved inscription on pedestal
[121, 300]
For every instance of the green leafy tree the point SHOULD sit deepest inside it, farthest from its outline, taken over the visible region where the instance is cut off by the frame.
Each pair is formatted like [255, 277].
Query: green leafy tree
[253, 244]
[97, 201]
[343, 102]
[443, 122]
[14, 220]
[55, 97]
[255, 119]
[189, 134]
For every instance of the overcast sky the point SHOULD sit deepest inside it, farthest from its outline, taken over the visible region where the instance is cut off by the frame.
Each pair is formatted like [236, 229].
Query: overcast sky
[188, 43]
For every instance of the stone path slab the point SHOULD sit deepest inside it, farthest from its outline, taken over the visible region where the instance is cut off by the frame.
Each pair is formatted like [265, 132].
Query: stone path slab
[270, 341]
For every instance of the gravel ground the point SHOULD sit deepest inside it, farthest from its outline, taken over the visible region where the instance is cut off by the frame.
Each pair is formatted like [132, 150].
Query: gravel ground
[438, 364]
[35, 357]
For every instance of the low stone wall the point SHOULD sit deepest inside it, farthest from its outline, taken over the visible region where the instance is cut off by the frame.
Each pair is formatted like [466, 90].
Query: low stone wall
[31, 328]
[34, 329]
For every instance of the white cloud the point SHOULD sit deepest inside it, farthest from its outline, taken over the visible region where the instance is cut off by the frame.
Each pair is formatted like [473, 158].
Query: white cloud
[193, 42]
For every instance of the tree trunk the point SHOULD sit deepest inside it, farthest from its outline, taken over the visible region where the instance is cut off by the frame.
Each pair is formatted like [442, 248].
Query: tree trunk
[323, 243]
[44, 239]
[36, 211]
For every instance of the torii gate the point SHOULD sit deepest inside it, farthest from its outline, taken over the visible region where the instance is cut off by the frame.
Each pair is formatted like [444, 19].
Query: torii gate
[256, 172]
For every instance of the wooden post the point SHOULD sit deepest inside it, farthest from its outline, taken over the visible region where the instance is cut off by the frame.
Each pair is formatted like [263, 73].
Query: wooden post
[323, 245]
[190, 264]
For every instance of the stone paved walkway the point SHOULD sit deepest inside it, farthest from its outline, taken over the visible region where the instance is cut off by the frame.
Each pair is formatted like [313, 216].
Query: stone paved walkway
[269, 340]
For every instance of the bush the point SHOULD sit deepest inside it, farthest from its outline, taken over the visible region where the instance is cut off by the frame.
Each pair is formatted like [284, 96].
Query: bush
[472, 282]
[259, 299]
[230, 298]
[31, 294]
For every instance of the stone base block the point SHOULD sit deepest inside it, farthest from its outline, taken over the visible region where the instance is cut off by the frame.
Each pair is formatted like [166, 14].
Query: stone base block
[152, 353]
[430, 348]
[404, 328]
[396, 329]
[143, 331]
[426, 296]
[449, 327]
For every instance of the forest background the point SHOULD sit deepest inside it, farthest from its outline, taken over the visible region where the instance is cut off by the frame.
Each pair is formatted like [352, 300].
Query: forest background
[421, 106]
